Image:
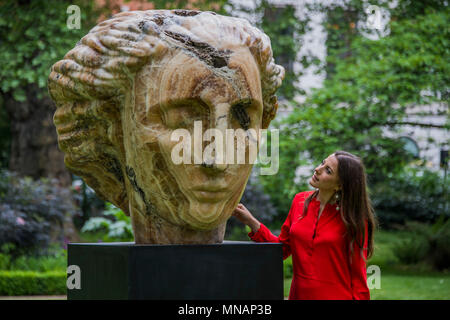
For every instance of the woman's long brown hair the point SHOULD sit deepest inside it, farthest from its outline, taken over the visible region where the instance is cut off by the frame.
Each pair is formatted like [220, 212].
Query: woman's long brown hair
[355, 205]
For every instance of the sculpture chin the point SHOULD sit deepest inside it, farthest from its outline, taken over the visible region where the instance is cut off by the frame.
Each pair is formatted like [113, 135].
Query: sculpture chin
[194, 225]
[206, 215]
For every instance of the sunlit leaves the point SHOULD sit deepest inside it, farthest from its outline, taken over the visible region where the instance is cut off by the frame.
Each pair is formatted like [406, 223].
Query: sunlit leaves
[34, 36]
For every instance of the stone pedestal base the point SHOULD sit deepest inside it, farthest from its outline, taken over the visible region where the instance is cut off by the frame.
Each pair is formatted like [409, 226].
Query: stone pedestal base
[231, 270]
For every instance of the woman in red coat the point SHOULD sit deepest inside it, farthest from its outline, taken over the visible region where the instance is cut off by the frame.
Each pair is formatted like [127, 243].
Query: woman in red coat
[329, 232]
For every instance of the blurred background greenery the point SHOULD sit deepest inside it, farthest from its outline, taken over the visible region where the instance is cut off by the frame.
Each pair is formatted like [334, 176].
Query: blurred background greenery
[383, 95]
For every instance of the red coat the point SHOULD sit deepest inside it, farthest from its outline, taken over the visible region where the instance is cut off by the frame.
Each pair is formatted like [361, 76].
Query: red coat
[320, 253]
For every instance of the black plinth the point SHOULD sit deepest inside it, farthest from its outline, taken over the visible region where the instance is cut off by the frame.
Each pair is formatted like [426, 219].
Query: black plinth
[231, 270]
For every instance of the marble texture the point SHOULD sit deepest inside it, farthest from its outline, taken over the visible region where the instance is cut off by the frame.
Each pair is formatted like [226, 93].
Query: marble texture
[137, 77]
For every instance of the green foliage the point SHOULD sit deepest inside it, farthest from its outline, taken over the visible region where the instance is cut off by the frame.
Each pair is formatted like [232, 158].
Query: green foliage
[236, 232]
[32, 213]
[385, 241]
[427, 242]
[281, 187]
[411, 59]
[285, 31]
[5, 136]
[217, 6]
[87, 200]
[411, 251]
[354, 105]
[55, 260]
[413, 194]
[288, 269]
[33, 275]
[20, 283]
[34, 35]
[116, 223]
[369, 90]
[407, 9]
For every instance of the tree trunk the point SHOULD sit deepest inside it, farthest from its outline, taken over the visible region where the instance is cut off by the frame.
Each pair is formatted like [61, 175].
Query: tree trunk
[34, 147]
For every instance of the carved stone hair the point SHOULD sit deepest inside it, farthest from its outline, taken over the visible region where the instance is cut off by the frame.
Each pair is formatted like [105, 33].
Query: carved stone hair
[89, 83]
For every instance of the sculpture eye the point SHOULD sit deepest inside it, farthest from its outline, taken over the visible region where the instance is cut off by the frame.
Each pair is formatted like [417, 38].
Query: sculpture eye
[245, 113]
[240, 114]
[184, 114]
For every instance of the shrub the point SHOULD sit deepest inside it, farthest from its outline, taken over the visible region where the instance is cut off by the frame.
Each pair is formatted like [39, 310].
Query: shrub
[438, 236]
[415, 194]
[55, 260]
[429, 242]
[87, 200]
[237, 233]
[32, 213]
[288, 269]
[116, 223]
[19, 283]
[411, 251]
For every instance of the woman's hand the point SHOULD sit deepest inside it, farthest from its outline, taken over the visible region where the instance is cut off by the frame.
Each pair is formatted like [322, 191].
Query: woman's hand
[244, 216]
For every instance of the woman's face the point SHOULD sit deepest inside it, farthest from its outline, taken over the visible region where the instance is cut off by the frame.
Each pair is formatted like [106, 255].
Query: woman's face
[325, 175]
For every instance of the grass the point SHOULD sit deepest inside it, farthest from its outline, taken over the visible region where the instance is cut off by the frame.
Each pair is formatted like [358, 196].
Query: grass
[398, 281]
[405, 287]
[412, 287]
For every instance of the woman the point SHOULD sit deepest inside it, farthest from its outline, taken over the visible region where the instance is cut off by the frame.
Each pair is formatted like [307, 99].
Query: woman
[329, 232]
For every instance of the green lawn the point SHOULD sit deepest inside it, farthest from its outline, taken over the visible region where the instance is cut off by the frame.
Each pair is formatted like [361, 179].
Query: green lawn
[407, 287]
[401, 282]
[412, 287]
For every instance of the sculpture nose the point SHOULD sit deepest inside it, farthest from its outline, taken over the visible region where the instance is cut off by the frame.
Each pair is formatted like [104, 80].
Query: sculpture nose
[214, 166]
[219, 122]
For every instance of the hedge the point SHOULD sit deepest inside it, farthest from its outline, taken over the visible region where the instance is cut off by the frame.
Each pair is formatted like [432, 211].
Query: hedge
[21, 283]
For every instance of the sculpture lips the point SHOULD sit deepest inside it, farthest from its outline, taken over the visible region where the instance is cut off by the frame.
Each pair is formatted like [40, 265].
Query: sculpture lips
[211, 188]
[208, 196]
[210, 193]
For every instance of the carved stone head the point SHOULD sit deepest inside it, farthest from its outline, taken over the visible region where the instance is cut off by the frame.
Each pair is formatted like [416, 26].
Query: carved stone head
[137, 77]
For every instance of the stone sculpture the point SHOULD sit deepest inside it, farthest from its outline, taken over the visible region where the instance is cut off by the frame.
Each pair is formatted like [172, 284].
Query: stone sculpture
[134, 79]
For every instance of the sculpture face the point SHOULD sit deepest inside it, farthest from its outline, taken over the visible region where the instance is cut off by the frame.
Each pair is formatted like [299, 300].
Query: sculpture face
[132, 83]
[172, 94]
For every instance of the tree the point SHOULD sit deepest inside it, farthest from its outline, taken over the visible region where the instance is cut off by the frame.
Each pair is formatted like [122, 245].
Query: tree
[34, 35]
[370, 87]
[285, 31]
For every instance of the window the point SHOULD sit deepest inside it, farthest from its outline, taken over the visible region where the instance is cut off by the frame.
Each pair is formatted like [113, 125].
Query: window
[410, 146]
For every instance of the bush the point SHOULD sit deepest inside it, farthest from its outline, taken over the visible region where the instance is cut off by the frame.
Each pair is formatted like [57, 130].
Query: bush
[19, 283]
[116, 223]
[288, 269]
[32, 213]
[411, 251]
[33, 275]
[429, 242]
[53, 261]
[87, 200]
[237, 233]
[415, 194]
